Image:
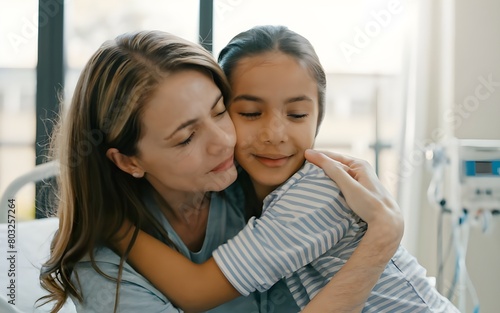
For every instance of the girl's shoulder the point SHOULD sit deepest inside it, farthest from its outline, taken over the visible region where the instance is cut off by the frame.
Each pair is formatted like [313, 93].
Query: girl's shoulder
[311, 179]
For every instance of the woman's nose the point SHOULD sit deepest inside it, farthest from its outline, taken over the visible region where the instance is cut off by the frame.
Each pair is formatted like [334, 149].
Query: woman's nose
[222, 137]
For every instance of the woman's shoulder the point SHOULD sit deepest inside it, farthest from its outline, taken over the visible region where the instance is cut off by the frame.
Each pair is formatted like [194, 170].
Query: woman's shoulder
[229, 206]
[234, 195]
[97, 283]
[101, 274]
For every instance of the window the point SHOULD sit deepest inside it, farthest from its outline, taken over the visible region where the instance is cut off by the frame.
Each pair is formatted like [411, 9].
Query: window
[361, 46]
[360, 43]
[90, 22]
[87, 25]
[18, 29]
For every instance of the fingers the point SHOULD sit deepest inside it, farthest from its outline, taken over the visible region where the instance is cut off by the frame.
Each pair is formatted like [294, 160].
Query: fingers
[352, 162]
[342, 158]
[338, 172]
[363, 191]
[359, 199]
[359, 169]
[319, 158]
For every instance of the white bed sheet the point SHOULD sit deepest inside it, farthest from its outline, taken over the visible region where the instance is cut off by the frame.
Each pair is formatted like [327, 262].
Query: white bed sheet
[32, 239]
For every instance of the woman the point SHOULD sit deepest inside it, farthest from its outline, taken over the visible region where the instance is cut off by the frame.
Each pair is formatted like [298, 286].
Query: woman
[148, 139]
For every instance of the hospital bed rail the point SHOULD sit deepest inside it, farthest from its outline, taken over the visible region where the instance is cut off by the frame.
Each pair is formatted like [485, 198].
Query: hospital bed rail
[39, 173]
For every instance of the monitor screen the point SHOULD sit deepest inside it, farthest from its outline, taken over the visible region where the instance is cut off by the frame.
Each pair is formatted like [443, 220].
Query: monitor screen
[483, 167]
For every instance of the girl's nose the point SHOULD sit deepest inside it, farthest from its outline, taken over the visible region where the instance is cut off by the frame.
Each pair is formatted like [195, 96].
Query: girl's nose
[274, 130]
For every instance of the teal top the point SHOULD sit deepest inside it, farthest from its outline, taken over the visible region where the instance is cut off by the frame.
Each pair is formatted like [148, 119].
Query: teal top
[136, 294]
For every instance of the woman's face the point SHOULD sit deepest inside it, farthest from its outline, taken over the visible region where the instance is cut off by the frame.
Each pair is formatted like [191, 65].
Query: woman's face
[188, 139]
[274, 108]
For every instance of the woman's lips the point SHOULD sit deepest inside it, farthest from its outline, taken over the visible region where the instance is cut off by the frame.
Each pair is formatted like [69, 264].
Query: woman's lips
[224, 165]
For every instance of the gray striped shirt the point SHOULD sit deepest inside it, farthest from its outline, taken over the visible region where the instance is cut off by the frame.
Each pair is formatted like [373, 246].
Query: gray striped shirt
[304, 236]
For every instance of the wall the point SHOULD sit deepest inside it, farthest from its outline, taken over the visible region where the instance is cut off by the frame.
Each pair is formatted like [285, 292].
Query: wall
[464, 53]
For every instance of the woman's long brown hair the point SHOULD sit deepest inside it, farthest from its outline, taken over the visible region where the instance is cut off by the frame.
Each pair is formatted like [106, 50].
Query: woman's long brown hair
[94, 196]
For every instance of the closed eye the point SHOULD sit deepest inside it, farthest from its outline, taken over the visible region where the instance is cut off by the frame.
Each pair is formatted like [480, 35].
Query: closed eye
[187, 141]
[221, 112]
[250, 115]
[298, 116]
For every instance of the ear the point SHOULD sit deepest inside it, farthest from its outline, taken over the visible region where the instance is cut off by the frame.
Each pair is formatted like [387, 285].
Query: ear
[128, 164]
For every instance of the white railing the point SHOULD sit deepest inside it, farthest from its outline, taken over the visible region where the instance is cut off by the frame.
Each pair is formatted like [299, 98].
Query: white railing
[40, 172]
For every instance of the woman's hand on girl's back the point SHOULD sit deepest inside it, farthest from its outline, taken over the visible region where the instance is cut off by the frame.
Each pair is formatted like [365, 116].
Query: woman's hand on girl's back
[366, 196]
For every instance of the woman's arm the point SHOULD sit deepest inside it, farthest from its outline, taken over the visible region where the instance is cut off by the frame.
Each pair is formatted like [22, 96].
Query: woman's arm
[350, 287]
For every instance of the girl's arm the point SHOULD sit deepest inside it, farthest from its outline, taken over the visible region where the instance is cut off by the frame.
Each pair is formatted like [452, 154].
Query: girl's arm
[189, 286]
[199, 287]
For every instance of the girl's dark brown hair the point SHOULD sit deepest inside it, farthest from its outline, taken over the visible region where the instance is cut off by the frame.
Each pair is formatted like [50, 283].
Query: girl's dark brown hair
[269, 38]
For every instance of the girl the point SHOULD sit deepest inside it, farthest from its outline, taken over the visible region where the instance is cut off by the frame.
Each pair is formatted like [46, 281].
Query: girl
[276, 107]
[148, 139]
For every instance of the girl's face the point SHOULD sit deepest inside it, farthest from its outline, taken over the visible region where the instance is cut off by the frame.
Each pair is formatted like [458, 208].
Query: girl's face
[188, 138]
[274, 108]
